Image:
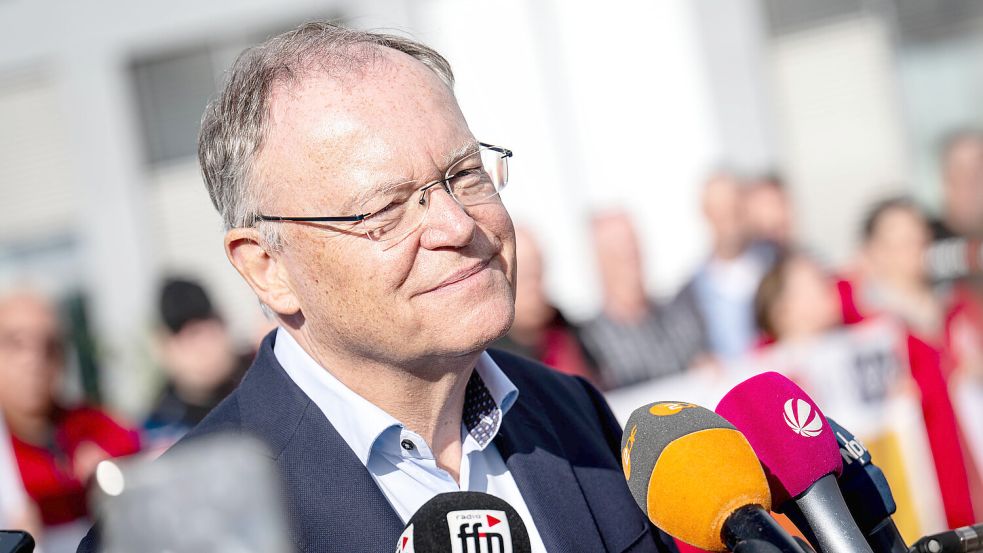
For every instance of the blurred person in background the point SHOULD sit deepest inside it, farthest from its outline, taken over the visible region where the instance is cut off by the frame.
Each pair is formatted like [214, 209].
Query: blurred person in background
[962, 218]
[634, 339]
[962, 189]
[723, 287]
[893, 277]
[796, 301]
[57, 447]
[768, 215]
[768, 210]
[199, 360]
[893, 281]
[540, 331]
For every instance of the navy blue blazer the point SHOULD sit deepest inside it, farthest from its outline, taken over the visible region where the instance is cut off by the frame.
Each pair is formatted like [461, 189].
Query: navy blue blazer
[559, 440]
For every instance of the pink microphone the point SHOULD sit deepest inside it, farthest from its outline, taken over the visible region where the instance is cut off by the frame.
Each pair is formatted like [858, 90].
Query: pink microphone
[800, 457]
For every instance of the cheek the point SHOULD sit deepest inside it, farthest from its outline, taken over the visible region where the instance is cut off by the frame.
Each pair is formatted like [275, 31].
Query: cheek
[499, 225]
[350, 274]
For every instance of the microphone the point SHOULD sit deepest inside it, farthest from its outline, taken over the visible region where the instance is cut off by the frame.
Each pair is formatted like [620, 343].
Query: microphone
[697, 478]
[464, 522]
[16, 541]
[867, 494]
[220, 492]
[967, 539]
[800, 456]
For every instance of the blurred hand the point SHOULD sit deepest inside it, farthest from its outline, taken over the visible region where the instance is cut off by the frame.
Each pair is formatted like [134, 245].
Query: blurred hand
[87, 456]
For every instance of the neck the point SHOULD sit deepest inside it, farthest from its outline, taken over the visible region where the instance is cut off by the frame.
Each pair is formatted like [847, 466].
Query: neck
[626, 308]
[906, 285]
[726, 253]
[528, 336]
[28, 427]
[425, 395]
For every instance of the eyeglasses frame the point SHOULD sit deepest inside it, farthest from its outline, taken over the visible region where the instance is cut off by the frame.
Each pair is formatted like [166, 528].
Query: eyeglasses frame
[505, 152]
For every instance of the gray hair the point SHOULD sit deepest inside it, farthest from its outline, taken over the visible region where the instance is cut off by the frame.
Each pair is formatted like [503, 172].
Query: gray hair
[235, 122]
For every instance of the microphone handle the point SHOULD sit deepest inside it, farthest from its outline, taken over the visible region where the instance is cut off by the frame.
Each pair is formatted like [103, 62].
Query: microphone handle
[968, 539]
[886, 538]
[751, 529]
[822, 515]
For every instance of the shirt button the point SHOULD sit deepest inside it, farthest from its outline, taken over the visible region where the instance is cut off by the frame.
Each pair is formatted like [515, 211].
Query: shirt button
[407, 445]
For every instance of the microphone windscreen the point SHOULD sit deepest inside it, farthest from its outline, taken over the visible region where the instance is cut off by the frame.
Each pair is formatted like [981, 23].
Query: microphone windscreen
[689, 469]
[464, 521]
[220, 492]
[787, 430]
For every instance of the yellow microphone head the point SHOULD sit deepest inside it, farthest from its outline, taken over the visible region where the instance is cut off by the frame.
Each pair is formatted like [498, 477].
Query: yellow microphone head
[689, 469]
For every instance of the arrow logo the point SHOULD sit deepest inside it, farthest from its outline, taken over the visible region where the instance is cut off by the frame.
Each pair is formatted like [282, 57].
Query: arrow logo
[797, 413]
[492, 521]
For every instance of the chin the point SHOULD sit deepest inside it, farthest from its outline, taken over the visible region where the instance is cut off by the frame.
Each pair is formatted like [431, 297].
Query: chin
[475, 328]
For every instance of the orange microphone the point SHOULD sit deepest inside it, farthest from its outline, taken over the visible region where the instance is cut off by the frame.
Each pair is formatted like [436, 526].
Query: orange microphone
[697, 479]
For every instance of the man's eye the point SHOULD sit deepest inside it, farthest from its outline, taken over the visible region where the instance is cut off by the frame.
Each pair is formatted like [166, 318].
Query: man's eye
[468, 177]
[468, 172]
[388, 208]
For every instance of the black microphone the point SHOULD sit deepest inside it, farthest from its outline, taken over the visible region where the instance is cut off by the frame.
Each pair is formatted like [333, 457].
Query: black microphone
[867, 494]
[16, 541]
[968, 539]
[468, 522]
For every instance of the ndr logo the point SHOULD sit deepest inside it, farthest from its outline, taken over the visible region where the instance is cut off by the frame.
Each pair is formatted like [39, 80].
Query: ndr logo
[626, 452]
[479, 531]
[797, 413]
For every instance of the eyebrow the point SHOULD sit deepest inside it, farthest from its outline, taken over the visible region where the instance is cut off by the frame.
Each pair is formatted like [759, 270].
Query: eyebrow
[458, 154]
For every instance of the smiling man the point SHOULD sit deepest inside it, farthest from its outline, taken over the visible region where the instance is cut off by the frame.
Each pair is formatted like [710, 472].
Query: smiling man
[367, 219]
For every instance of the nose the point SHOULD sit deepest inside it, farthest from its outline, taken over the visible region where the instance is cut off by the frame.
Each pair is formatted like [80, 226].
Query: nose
[447, 223]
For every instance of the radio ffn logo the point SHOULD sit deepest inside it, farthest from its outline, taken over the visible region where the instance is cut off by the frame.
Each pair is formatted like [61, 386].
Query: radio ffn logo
[479, 532]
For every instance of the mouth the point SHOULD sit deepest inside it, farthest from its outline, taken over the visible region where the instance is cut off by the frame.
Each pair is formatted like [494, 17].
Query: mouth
[461, 275]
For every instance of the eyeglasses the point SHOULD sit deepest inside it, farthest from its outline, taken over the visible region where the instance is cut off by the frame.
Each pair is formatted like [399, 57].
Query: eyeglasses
[397, 211]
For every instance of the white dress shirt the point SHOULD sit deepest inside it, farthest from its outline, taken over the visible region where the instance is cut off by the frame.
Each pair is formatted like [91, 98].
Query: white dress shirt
[399, 460]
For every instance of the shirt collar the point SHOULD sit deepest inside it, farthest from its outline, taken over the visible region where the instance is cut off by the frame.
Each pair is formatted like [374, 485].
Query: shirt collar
[490, 394]
[488, 397]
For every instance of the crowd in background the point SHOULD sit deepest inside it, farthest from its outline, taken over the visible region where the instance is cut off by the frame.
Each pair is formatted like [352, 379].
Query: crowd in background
[57, 446]
[756, 288]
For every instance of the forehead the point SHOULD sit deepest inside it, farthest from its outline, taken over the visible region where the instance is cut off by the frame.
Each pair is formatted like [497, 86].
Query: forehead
[391, 119]
[969, 148]
[899, 219]
[27, 314]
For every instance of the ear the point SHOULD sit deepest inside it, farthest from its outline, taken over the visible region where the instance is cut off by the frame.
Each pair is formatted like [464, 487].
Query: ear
[263, 271]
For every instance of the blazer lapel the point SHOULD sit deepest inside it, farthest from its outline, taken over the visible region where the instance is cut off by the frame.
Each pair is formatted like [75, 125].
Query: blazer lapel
[546, 480]
[338, 505]
[334, 503]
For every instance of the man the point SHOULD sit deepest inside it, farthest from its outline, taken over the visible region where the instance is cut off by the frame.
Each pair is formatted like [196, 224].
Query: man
[723, 288]
[539, 330]
[199, 359]
[962, 192]
[632, 338]
[324, 154]
[768, 214]
[57, 447]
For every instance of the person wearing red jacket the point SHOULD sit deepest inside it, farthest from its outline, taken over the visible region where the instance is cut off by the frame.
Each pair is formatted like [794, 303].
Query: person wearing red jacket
[56, 448]
[893, 282]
